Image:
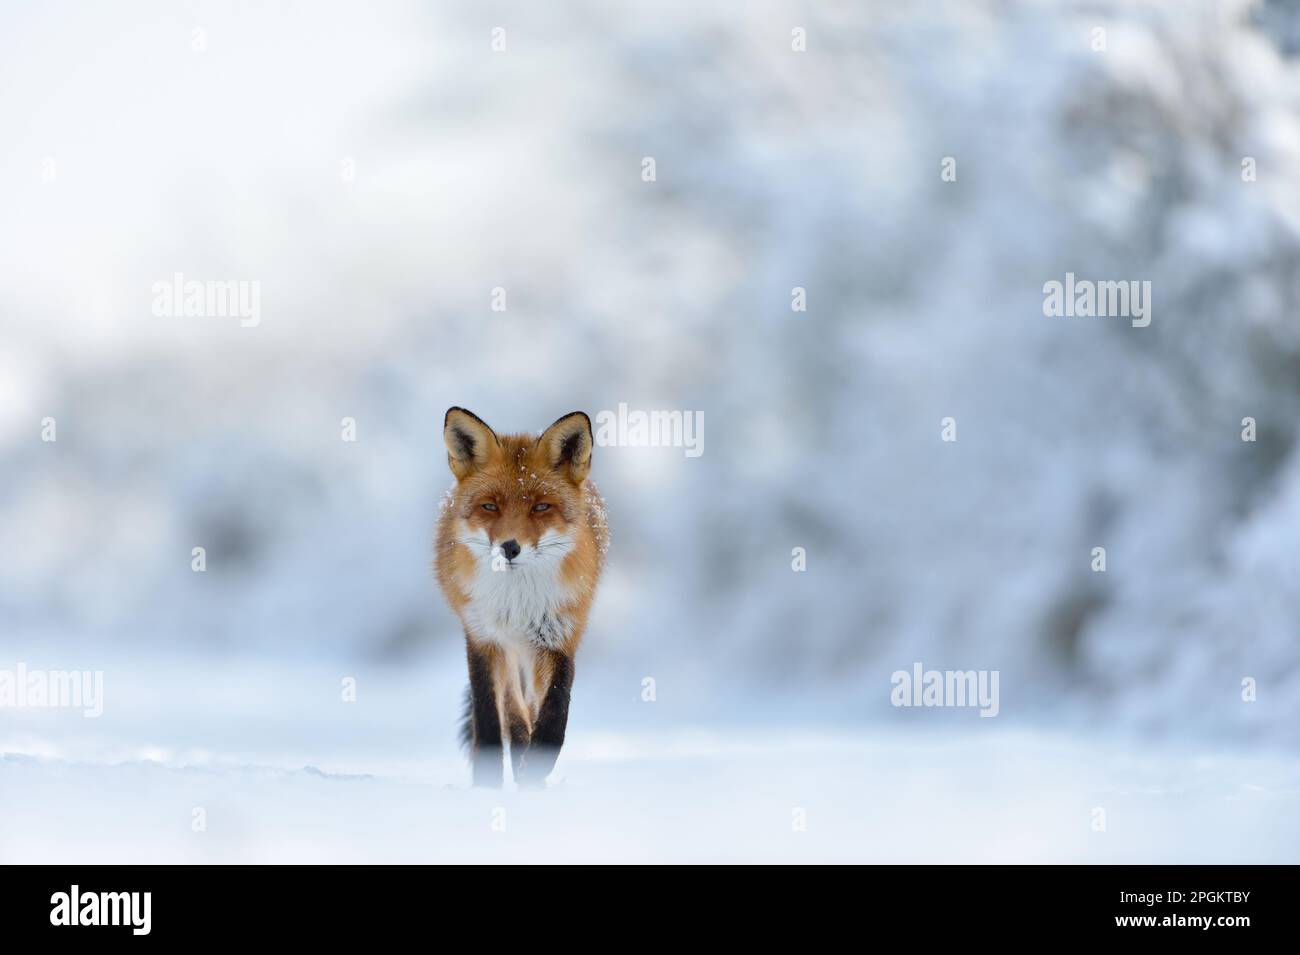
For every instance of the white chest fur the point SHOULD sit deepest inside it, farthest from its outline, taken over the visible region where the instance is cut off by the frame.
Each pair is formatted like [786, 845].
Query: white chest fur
[518, 605]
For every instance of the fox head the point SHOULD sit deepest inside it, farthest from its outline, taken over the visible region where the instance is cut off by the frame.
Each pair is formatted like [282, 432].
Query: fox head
[518, 499]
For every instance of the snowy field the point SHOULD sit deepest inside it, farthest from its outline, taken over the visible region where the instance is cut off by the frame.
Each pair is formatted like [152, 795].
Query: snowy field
[283, 771]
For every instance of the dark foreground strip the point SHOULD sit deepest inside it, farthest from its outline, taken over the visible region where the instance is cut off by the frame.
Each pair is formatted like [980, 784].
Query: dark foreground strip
[331, 905]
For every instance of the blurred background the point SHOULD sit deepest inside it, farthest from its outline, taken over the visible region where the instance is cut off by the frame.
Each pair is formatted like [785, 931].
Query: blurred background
[381, 169]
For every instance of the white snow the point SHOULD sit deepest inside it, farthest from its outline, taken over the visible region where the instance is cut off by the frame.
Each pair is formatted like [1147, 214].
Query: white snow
[285, 772]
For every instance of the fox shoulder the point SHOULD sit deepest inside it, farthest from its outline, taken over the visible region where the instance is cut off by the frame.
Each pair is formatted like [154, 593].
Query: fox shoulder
[597, 515]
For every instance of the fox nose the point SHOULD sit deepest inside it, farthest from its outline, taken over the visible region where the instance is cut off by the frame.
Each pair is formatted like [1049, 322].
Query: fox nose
[511, 549]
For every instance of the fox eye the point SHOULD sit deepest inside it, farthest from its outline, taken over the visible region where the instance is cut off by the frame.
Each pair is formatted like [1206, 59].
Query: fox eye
[538, 508]
[489, 506]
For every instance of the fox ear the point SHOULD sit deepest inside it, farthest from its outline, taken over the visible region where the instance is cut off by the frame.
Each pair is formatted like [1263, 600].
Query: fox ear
[470, 442]
[567, 445]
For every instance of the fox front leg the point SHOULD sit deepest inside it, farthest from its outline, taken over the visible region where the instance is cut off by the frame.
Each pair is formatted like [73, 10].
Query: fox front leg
[552, 718]
[485, 719]
[520, 736]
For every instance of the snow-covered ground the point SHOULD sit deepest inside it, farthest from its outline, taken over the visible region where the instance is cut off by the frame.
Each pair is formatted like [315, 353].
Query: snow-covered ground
[282, 770]
[680, 796]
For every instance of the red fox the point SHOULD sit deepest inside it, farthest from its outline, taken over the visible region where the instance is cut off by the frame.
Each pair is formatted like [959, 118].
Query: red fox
[521, 545]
